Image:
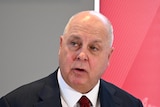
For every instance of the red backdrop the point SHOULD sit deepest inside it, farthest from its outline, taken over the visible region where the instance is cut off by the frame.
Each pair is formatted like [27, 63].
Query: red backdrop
[135, 63]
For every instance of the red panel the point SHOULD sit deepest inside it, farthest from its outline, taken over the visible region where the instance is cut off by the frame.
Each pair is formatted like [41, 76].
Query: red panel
[135, 63]
[143, 78]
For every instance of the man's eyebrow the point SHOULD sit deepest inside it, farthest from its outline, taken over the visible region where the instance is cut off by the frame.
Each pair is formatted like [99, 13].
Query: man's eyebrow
[78, 38]
[97, 41]
[74, 37]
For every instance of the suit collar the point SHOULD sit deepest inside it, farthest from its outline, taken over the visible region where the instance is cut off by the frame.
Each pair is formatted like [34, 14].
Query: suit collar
[107, 96]
[50, 94]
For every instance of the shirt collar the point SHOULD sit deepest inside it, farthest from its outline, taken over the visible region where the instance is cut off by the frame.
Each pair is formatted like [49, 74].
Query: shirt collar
[71, 96]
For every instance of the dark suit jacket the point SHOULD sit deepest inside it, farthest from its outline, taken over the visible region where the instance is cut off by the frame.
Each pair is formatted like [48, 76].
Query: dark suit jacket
[46, 93]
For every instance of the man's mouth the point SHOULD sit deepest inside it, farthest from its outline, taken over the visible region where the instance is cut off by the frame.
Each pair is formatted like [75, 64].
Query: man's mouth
[79, 69]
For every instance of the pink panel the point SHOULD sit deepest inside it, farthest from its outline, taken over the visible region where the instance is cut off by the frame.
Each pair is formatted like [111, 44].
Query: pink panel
[135, 63]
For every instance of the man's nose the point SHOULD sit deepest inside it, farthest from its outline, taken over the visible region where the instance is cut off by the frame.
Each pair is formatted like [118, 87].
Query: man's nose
[82, 55]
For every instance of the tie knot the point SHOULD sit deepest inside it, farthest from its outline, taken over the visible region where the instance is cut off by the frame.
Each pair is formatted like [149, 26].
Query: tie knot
[84, 102]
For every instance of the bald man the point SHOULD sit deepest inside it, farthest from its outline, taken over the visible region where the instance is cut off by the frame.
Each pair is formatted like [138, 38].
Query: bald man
[84, 53]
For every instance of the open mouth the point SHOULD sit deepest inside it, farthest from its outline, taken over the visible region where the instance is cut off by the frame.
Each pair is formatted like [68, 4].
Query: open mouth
[80, 70]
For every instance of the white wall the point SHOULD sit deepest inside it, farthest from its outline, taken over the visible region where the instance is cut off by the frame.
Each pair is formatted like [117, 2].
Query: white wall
[29, 38]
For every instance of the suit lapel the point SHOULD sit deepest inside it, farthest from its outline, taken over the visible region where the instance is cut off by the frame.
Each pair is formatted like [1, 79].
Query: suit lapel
[107, 96]
[50, 94]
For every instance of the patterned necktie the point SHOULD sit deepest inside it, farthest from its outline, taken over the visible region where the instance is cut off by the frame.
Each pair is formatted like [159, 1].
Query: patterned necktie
[84, 102]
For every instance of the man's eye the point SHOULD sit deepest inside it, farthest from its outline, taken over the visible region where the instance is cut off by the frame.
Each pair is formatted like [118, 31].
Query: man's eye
[93, 48]
[74, 44]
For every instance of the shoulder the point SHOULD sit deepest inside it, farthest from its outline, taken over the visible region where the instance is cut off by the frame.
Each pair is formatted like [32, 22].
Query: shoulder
[28, 93]
[119, 94]
[28, 89]
[115, 89]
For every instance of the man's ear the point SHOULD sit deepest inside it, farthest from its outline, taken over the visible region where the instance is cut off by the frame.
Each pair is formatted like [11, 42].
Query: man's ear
[110, 53]
[60, 43]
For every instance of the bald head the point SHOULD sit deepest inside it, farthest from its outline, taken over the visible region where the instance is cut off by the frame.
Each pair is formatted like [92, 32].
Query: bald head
[92, 18]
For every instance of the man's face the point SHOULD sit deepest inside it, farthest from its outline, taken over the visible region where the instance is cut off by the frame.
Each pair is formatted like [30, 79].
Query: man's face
[84, 54]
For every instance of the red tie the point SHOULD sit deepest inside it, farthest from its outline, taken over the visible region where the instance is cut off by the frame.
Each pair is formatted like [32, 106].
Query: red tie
[84, 102]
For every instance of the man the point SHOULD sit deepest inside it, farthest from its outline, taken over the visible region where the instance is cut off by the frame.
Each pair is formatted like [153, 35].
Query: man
[85, 49]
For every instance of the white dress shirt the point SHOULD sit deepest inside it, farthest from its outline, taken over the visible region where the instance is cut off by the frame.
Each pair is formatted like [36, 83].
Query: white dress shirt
[70, 97]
